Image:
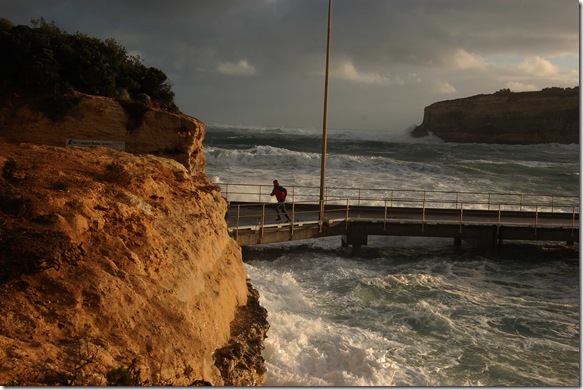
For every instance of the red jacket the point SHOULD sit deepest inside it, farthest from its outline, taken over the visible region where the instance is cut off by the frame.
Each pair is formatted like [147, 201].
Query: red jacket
[280, 193]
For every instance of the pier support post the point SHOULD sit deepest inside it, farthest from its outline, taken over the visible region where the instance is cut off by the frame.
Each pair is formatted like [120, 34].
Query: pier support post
[356, 236]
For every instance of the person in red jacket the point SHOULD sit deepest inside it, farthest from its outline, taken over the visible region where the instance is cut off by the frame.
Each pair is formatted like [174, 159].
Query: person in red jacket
[280, 194]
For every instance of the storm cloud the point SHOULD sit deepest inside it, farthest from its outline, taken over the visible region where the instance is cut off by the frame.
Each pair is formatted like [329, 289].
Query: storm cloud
[262, 62]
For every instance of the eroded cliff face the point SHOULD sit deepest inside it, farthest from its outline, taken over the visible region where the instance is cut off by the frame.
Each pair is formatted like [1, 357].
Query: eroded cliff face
[506, 118]
[51, 121]
[112, 260]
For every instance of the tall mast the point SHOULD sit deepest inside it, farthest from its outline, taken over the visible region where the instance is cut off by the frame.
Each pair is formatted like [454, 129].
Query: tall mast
[325, 120]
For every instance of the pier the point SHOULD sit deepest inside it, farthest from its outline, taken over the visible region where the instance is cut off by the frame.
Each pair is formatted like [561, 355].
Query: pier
[482, 219]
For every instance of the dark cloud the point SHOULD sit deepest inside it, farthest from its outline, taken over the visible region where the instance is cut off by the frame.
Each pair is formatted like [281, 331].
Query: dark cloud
[262, 61]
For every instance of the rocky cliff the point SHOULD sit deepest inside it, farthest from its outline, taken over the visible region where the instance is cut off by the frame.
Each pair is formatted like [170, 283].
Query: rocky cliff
[52, 120]
[550, 115]
[116, 267]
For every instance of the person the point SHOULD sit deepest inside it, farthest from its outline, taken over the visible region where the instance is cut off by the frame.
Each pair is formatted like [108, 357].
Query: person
[280, 194]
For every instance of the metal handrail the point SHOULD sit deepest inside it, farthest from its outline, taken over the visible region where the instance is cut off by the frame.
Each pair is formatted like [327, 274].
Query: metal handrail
[430, 198]
[423, 204]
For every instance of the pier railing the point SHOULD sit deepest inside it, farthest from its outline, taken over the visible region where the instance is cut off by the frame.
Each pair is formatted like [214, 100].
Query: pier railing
[349, 197]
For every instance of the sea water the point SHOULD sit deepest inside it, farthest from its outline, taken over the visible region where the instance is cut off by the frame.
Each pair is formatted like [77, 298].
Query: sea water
[409, 311]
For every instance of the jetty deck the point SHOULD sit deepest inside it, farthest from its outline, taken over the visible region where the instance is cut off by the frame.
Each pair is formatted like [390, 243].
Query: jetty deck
[484, 219]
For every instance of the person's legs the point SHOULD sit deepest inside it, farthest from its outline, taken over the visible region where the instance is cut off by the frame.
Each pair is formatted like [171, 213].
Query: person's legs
[283, 210]
[277, 209]
[280, 208]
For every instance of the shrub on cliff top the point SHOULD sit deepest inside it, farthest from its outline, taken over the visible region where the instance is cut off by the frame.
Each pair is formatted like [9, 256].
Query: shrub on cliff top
[45, 59]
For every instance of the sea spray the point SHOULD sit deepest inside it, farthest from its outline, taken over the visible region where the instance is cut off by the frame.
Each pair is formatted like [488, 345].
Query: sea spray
[417, 316]
[410, 311]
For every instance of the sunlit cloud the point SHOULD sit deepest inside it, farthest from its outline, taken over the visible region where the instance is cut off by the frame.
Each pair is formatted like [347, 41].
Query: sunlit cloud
[413, 77]
[241, 68]
[347, 71]
[538, 66]
[464, 60]
[443, 87]
[516, 86]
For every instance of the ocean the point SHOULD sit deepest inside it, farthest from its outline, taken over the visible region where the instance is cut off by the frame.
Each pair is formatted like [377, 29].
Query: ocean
[409, 311]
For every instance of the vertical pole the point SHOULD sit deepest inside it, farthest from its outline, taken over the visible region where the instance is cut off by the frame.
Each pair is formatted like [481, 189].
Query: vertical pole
[573, 223]
[238, 216]
[536, 220]
[325, 119]
[262, 220]
[385, 225]
[347, 213]
[291, 234]
[499, 223]
[423, 216]
[461, 215]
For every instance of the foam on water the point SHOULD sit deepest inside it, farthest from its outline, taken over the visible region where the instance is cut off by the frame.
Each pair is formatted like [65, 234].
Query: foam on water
[410, 311]
[414, 316]
[386, 161]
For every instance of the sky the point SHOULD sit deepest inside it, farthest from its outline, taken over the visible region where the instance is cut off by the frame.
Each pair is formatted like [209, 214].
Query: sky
[261, 63]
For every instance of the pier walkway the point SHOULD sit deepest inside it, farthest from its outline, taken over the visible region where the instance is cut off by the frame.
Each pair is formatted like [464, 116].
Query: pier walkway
[484, 219]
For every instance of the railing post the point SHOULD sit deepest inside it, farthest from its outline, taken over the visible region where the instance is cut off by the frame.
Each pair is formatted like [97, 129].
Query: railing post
[291, 233]
[385, 223]
[536, 219]
[423, 215]
[321, 215]
[359, 197]
[489, 200]
[573, 223]
[499, 215]
[461, 215]
[392, 191]
[457, 197]
[262, 220]
[347, 215]
[238, 216]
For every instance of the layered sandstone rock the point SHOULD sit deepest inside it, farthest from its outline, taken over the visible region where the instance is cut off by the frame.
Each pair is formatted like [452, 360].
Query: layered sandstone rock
[114, 263]
[547, 116]
[54, 120]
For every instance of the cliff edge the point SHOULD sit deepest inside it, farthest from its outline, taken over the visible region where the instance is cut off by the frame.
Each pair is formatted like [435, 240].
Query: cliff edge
[547, 116]
[116, 267]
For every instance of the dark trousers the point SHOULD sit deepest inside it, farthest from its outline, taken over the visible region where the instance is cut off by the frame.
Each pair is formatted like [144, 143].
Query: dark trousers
[280, 208]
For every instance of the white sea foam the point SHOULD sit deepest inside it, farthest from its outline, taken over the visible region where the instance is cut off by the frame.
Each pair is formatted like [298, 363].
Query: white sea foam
[349, 322]
[414, 311]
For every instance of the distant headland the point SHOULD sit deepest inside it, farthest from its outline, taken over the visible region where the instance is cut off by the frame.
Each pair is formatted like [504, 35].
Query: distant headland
[504, 117]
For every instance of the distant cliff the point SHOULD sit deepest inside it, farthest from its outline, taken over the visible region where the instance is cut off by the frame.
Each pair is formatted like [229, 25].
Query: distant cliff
[547, 116]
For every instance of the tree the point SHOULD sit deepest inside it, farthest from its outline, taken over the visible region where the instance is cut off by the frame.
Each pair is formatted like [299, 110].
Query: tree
[45, 59]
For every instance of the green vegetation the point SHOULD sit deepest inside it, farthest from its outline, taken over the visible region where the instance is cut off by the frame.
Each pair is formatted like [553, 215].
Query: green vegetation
[45, 60]
[551, 91]
[125, 376]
